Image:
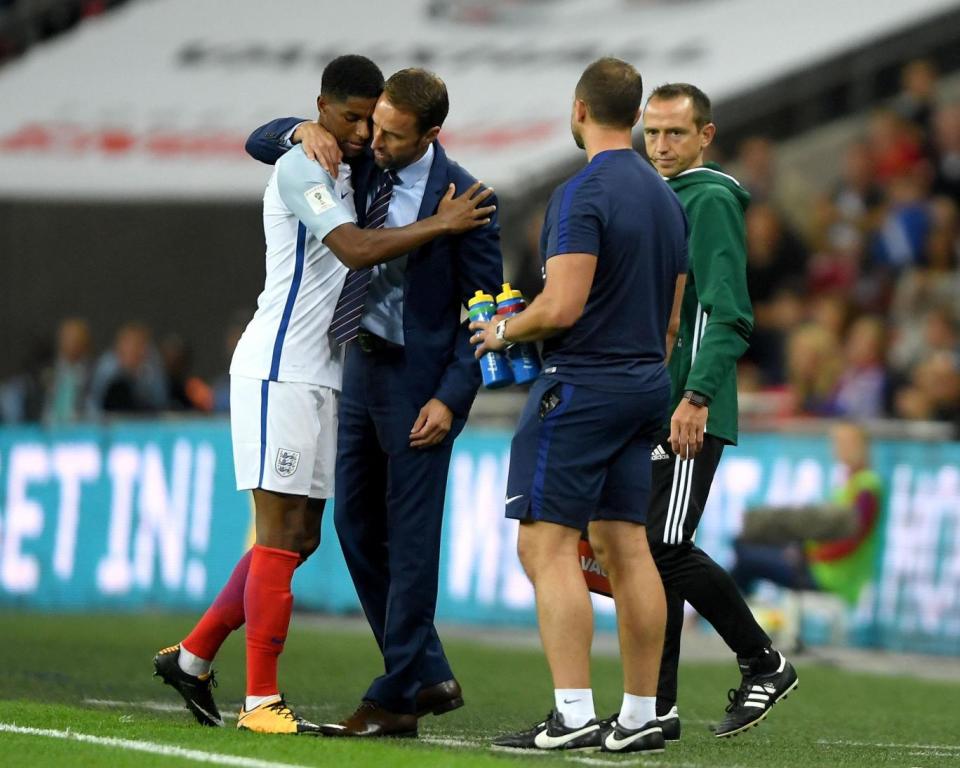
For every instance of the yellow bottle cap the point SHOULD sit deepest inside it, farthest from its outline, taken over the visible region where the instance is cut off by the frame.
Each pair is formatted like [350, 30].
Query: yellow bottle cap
[479, 297]
[508, 293]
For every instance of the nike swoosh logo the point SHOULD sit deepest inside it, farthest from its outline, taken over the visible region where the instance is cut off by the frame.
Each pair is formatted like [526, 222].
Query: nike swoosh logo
[343, 195]
[545, 741]
[511, 499]
[570, 701]
[614, 744]
[217, 720]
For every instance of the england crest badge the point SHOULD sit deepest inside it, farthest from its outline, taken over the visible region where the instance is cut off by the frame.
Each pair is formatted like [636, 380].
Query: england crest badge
[287, 462]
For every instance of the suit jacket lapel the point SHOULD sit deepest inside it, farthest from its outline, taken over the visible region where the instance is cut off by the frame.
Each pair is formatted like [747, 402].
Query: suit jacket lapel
[436, 183]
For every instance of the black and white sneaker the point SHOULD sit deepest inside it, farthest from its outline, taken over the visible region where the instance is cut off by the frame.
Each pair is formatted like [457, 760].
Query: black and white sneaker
[670, 723]
[551, 733]
[648, 738]
[753, 700]
[197, 692]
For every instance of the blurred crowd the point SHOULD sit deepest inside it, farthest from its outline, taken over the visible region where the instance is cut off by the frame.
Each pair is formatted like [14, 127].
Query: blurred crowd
[137, 375]
[854, 274]
[855, 295]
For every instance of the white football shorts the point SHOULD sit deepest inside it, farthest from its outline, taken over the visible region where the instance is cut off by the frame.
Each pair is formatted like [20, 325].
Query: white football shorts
[284, 436]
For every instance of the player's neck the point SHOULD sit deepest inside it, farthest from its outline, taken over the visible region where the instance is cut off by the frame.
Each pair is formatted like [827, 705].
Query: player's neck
[597, 139]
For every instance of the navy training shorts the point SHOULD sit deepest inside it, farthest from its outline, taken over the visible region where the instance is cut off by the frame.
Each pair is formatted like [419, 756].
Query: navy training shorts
[581, 454]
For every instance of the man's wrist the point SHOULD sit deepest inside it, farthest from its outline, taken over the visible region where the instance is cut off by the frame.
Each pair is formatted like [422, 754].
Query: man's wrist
[501, 332]
[696, 398]
[291, 137]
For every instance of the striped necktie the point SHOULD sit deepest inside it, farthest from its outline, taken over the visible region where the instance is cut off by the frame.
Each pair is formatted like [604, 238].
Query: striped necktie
[346, 316]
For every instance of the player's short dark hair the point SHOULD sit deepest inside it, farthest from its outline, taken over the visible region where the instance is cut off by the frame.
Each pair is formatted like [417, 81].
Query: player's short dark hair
[612, 89]
[702, 110]
[351, 75]
[420, 92]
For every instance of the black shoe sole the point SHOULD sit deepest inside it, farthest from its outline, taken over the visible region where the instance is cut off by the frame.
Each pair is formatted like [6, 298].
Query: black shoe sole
[538, 750]
[755, 723]
[341, 735]
[442, 708]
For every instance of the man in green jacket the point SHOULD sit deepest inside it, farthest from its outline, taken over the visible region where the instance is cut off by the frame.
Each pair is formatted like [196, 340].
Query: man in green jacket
[716, 320]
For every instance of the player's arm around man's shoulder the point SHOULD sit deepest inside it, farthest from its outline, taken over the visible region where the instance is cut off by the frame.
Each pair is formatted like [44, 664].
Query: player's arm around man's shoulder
[308, 190]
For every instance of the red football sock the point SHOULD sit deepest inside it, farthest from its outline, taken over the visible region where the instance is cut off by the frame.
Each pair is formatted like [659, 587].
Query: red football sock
[267, 603]
[223, 616]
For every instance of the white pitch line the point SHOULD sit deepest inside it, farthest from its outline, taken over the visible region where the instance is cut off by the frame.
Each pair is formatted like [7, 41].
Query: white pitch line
[440, 741]
[934, 753]
[150, 747]
[153, 706]
[878, 745]
[640, 760]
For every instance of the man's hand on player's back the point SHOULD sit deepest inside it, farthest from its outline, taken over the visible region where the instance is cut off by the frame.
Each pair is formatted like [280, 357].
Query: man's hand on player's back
[462, 213]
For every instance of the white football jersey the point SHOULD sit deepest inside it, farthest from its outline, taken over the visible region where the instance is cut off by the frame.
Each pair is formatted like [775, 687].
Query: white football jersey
[287, 339]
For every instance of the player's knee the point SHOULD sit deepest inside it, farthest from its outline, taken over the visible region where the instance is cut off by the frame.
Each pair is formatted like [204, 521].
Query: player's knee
[601, 551]
[525, 553]
[617, 553]
[308, 545]
[531, 551]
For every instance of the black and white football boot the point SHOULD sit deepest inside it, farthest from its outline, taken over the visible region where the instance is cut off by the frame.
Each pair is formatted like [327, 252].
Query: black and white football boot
[670, 723]
[552, 733]
[758, 692]
[197, 692]
[648, 738]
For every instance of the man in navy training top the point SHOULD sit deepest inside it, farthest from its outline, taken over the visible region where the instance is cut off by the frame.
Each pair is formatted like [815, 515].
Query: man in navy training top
[614, 246]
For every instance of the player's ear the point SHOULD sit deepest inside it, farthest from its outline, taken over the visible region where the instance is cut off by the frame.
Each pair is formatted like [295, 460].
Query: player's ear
[706, 134]
[430, 136]
[579, 110]
[636, 117]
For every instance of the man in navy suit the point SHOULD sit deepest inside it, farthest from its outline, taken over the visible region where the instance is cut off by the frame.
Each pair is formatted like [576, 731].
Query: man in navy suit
[409, 380]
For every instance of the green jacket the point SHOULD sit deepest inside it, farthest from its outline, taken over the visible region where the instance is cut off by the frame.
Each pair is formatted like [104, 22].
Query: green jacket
[716, 318]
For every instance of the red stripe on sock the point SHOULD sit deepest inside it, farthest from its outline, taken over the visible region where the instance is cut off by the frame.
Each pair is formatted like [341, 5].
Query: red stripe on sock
[223, 616]
[267, 603]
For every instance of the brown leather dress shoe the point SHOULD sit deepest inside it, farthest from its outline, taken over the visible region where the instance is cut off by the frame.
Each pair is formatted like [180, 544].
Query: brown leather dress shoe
[440, 698]
[372, 720]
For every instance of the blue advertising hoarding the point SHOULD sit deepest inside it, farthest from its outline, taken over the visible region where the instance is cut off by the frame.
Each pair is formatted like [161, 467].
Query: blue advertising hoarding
[145, 515]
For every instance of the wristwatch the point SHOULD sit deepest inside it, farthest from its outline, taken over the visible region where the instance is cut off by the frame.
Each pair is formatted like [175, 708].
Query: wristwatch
[696, 398]
[501, 331]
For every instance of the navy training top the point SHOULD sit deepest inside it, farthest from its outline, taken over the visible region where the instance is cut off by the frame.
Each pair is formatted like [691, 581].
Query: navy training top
[620, 210]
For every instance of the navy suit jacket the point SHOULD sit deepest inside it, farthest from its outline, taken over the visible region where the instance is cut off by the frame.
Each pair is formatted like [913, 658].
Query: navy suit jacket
[440, 277]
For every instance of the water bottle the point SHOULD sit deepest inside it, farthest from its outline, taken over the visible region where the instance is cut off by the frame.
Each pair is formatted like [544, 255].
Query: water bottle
[523, 356]
[494, 367]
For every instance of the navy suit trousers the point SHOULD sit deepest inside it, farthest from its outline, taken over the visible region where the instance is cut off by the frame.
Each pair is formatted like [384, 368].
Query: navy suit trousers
[389, 514]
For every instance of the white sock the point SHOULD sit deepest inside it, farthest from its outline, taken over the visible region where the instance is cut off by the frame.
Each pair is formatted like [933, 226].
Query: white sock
[576, 706]
[637, 711]
[252, 702]
[192, 664]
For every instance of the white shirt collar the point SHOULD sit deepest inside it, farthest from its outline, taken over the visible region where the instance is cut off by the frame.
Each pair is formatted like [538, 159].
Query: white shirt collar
[414, 172]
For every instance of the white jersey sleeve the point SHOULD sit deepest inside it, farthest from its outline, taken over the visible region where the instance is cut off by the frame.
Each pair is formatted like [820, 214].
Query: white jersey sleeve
[308, 191]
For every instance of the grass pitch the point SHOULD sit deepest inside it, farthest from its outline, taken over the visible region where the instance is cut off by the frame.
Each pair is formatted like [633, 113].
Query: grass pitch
[91, 676]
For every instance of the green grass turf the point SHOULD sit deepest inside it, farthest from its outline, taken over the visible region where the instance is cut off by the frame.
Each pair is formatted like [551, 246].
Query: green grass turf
[54, 665]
